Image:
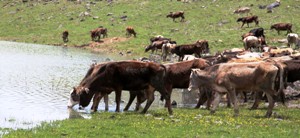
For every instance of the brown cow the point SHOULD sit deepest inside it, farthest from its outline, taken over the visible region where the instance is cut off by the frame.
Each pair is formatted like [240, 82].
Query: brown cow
[118, 76]
[199, 47]
[65, 36]
[130, 31]
[96, 33]
[181, 71]
[175, 15]
[232, 77]
[282, 27]
[248, 19]
[156, 45]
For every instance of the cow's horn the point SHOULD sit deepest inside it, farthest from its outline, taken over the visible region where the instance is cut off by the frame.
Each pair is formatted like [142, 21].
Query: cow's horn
[87, 90]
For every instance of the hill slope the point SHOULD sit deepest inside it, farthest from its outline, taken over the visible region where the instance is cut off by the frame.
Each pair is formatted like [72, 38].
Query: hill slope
[43, 22]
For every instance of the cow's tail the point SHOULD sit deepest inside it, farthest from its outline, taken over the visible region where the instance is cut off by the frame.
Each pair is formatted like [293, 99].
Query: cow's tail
[164, 74]
[280, 82]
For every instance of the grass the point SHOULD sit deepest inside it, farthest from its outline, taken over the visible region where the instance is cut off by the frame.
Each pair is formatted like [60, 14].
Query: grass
[43, 23]
[184, 123]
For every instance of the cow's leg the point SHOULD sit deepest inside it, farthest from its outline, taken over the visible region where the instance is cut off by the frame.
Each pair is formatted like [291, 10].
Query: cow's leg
[132, 95]
[96, 100]
[150, 98]
[233, 98]
[202, 99]
[245, 96]
[278, 32]
[215, 103]
[271, 104]
[141, 97]
[257, 99]
[118, 99]
[106, 102]
[229, 101]
[242, 24]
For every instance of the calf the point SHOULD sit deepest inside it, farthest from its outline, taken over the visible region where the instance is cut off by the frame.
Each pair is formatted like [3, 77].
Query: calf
[248, 19]
[65, 36]
[130, 31]
[175, 15]
[197, 48]
[252, 42]
[293, 38]
[282, 27]
[166, 50]
[232, 77]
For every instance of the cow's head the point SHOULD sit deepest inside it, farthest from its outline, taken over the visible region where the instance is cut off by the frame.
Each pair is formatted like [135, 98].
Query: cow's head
[81, 96]
[74, 98]
[197, 79]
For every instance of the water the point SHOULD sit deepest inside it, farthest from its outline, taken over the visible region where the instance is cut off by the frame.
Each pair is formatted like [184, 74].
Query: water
[35, 81]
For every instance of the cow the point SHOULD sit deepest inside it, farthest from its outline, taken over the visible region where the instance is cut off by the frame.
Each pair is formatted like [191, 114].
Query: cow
[158, 38]
[130, 31]
[279, 52]
[201, 46]
[242, 10]
[65, 36]
[281, 27]
[293, 38]
[175, 15]
[258, 32]
[166, 50]
[252, 42]
[232, 77]
[156, 45]
[96, 33]
[118, 76]
[248, 19]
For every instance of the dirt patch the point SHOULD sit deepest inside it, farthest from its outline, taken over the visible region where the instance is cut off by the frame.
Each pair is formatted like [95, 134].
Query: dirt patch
[104, 45]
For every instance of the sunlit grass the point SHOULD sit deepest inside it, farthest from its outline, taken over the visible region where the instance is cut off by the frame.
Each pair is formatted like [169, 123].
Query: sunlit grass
[184, 123]
[214, 21]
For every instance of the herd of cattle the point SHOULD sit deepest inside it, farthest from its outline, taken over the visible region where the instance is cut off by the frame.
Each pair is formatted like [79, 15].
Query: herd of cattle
[213, 76]
[229, 72]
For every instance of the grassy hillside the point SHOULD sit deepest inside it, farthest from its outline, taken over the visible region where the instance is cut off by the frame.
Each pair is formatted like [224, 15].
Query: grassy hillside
[43, 22]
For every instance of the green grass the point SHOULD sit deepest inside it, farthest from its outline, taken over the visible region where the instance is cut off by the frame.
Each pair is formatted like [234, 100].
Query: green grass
[184, 123]
[42, 23]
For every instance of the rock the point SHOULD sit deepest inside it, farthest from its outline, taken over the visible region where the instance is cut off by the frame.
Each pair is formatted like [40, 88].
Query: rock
[109, 14]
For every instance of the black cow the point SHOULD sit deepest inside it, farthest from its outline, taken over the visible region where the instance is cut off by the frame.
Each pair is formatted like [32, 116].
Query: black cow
[258, 32]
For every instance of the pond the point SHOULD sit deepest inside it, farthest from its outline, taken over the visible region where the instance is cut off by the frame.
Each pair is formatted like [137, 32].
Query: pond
[35, 81]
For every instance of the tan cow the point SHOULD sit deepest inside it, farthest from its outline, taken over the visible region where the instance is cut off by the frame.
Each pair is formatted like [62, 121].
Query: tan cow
[232, 77]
